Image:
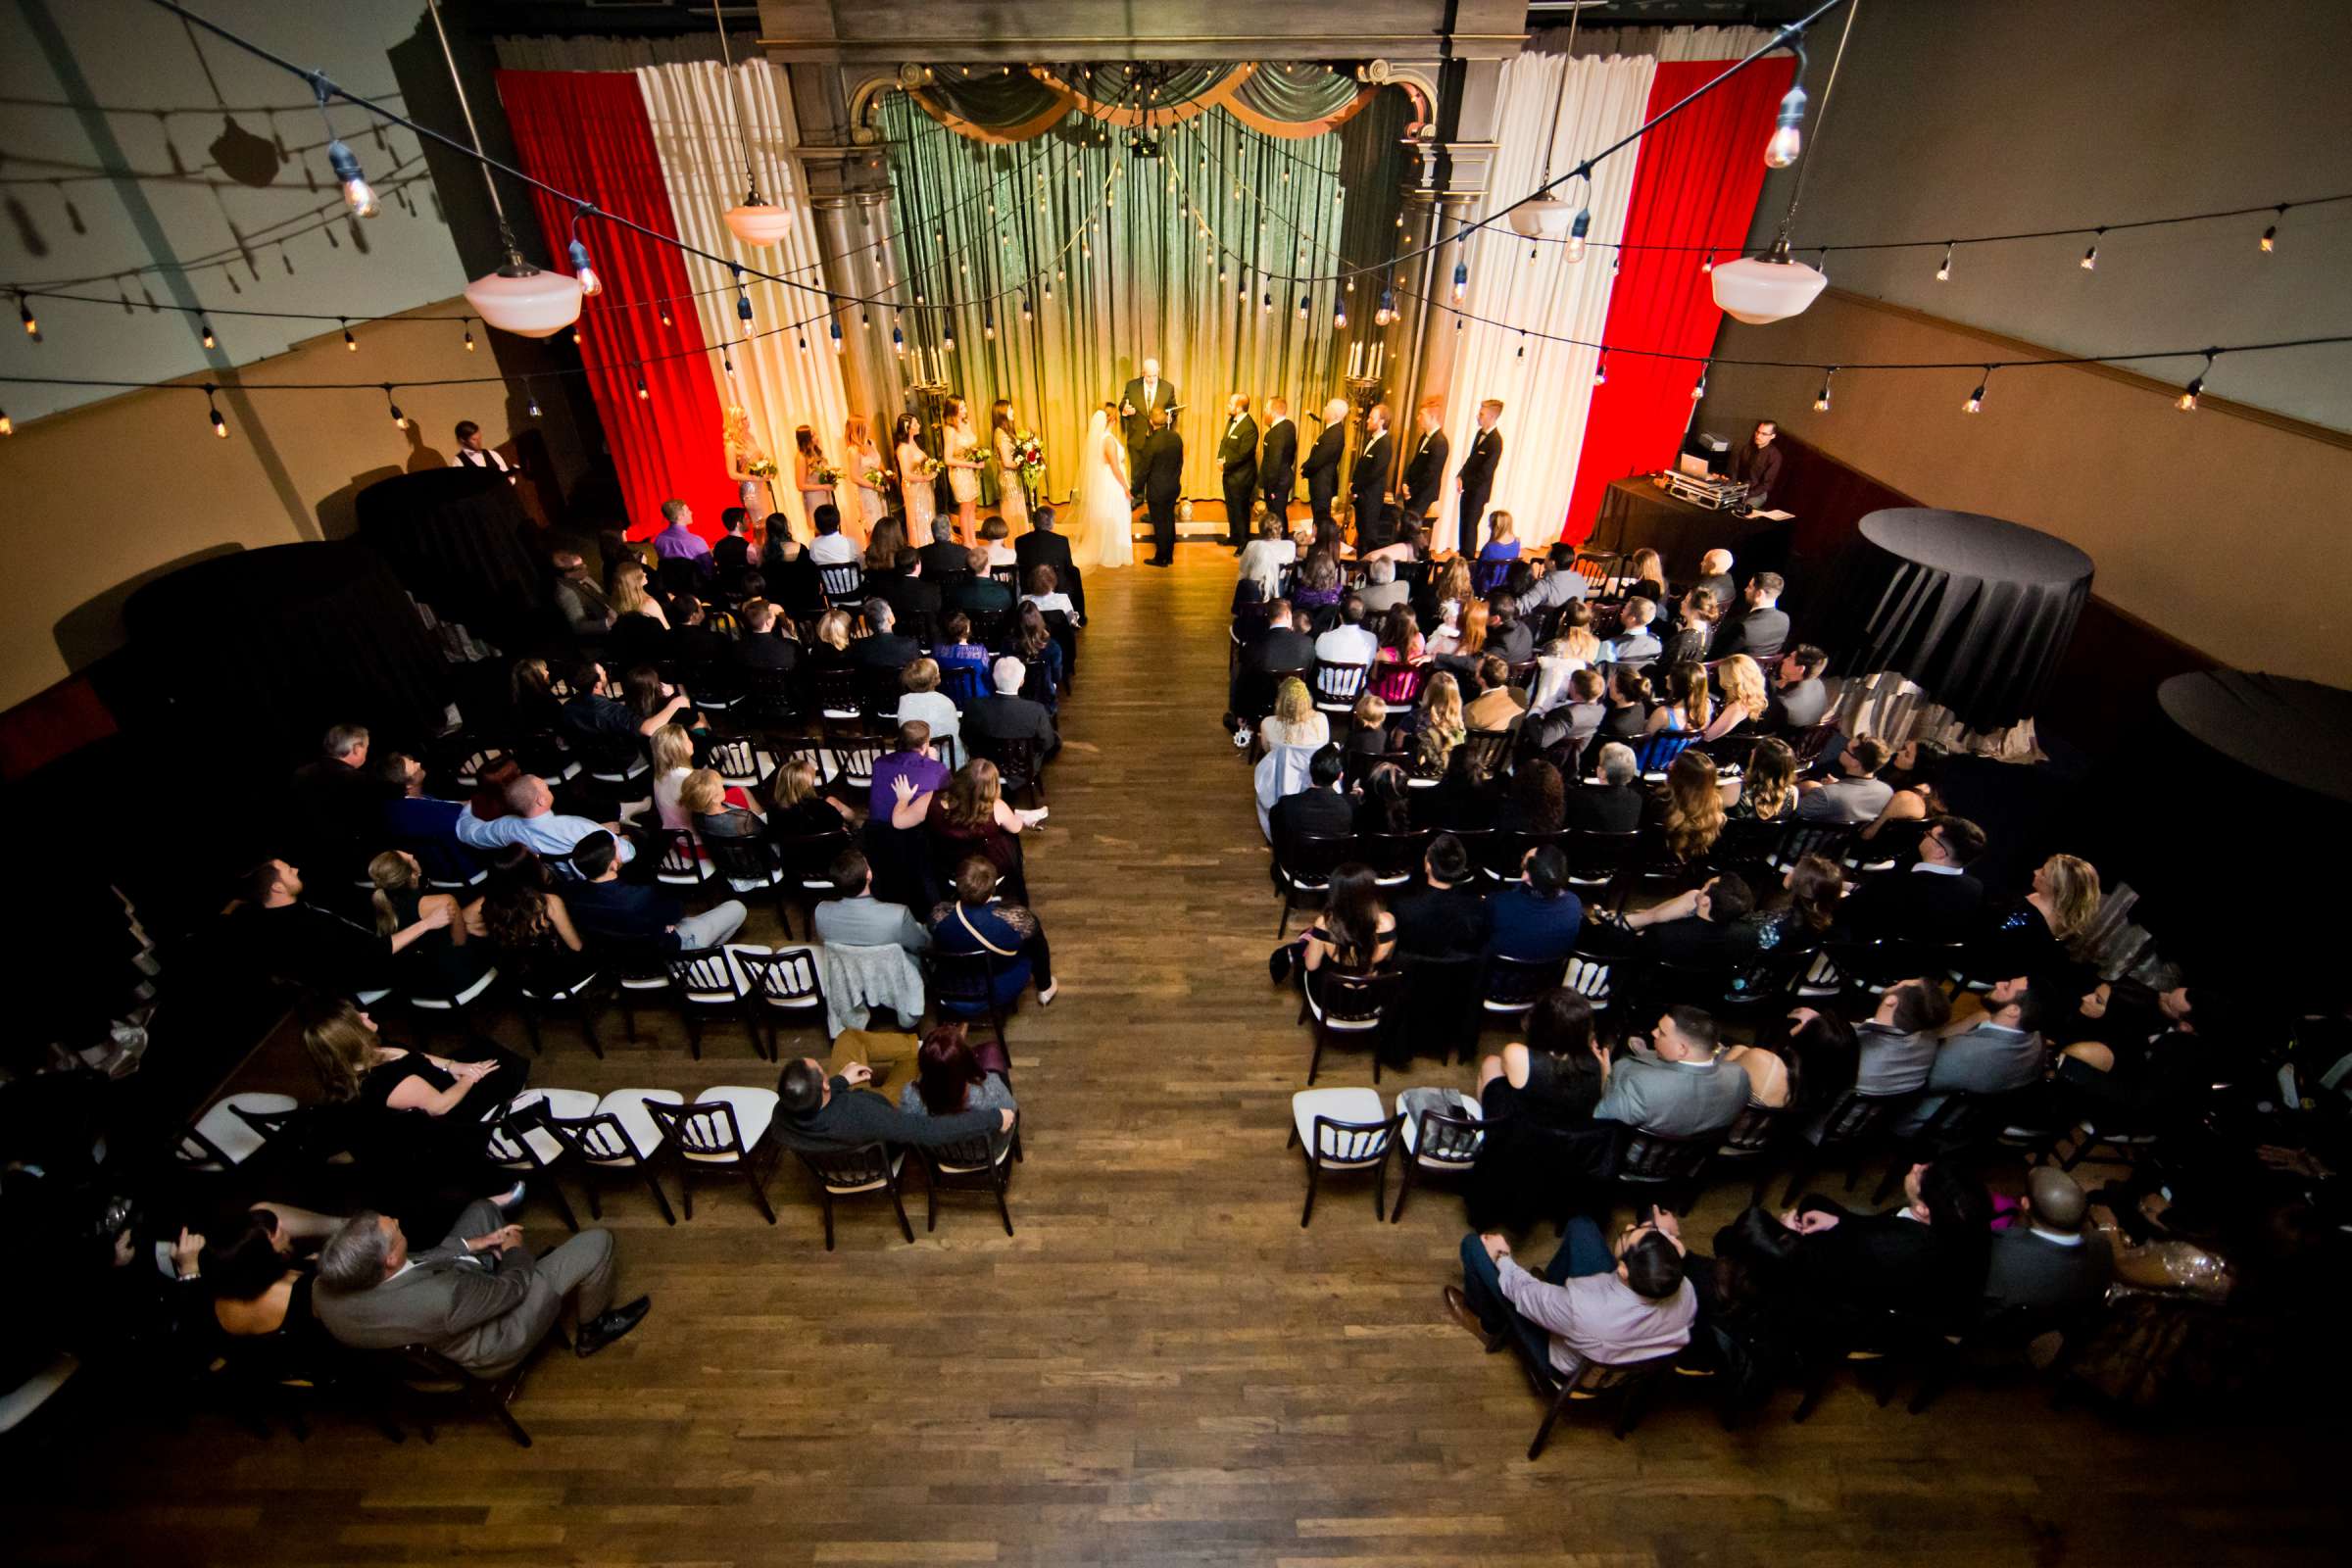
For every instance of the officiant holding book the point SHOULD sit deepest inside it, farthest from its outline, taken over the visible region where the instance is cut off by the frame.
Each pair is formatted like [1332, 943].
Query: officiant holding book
[1147, 394]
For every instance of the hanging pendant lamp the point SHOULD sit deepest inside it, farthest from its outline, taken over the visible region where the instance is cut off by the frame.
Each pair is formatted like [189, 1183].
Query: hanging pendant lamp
[518, 298]
[755, 220]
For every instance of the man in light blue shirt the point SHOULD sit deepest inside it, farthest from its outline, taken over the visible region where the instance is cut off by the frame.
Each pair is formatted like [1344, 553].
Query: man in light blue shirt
[531, 820]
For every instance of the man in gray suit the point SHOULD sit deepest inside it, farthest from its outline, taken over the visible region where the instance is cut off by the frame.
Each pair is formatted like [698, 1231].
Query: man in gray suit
[479, 1299]
[854, 918]
[1997, 1052]
[1676, 1089]
[2049, 1263]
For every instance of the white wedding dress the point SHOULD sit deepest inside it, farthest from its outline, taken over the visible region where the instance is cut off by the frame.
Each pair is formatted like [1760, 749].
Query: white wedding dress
[1105, 530]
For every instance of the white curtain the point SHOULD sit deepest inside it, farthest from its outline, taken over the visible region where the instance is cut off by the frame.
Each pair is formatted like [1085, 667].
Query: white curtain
[1547, 387]
[775, 382]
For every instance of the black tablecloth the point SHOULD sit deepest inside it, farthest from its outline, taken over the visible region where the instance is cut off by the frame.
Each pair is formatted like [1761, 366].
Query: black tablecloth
[1977, 611]
[1636, 513]
[455, 538]
[278, 644]
[2294, 732]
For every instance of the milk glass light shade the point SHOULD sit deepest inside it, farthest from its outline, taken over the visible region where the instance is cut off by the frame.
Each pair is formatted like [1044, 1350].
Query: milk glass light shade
[759, 222]
[1760, 289]
[520, 299]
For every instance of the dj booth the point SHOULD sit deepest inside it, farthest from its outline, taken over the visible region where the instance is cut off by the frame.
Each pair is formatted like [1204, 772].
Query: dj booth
[1635, 514]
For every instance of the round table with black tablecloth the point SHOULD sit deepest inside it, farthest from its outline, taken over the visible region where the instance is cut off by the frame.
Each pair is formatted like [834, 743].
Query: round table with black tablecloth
[280, 643]
[1976, 610]
[455, 538]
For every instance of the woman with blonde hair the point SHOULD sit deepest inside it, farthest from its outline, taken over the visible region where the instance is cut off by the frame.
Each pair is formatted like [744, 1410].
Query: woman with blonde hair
[963, 457]
[1576, 635]
[808, 468]
[717, 809]
[1296, 720]
[971, 818]
[1012, 497]
[865, 457]
[800, 808]
[1503, 540]
[1440, 710]
[915, 470]
[1689, 704]
[1649, 577]
[629, 596]
[1692, 818]
[829, 649]
[416, 1120]
[673, 758]
[437, 963]
[2034, 937]
[1746, 699]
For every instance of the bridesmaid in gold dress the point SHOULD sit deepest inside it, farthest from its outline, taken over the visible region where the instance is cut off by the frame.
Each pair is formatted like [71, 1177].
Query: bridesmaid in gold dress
[807, 462]
[858, 440]
[963, 457]
[1013, 500]
[914, 479]
[755, 493]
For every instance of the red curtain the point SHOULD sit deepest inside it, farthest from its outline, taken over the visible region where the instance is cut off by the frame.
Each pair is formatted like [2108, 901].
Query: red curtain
[585, 131]
[1695, 183]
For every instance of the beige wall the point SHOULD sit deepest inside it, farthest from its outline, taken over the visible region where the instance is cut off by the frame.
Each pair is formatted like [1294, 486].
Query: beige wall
[95, 500]
[2230, 530]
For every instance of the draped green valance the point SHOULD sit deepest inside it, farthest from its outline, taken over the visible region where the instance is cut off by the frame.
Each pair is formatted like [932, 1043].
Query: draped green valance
[1287, 99]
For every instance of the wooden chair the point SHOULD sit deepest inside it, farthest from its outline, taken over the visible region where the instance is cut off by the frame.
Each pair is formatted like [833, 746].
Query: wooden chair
[555, 982]
[1342, 1130]
[1302, 869]
[741, 762]
[1851, 1127]
[1625, 1386]
[1754, 1141]
[1021, 764]
[679, 865]
[723, 1132]
[1652, 1163]
[221, 1140]
[1346, 1008]
[520, 1140]
[708, 981]
[1336, 686]
[962, 987]
[971, 1164]
[857, 1172]
[784, 987]
[425, 1375]
[843, 585]
[749, 866]
[1438, 1142]
[619, 1140]
[1509, 988]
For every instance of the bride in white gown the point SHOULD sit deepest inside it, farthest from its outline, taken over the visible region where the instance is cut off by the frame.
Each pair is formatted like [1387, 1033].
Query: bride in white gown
[1103, 534]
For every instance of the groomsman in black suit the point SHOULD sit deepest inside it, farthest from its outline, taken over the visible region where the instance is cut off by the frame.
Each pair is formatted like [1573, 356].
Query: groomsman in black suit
[1236, 455]
[1477, 475]
[1425, 470]
[1163, 480]
[1368, 485]
[1322, 466]
[1278, 462]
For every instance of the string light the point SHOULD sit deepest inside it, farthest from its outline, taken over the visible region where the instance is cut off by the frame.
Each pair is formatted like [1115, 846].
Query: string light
[1699, 388]
[1302, 307]
[1788, 128]
[8, 426]
[399, 419]
[576, 339]
[988, 324]
[2090, 257]
[643, 396]
[358, 194]
[949, 342]
[33, 327]
[1821, 399]
[350, 343]
[531, 407]
[898, 341]
[2196, 385]
[209, 341]
[1575, 251]
[220, 425]
[1944, 274]
[470, 340]
[1600, 369]
[1388, 308]
[1339, 317]
[2270, 235]
[1708, 266]
[1462, 279]
[1975, 399]
[1266, 305]
[742, 307]
[838, 345]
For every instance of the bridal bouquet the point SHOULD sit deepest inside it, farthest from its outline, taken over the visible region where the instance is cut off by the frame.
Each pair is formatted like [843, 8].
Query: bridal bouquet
[874, 478]
[762, 467]
[824, 474]
[930, 468]
[1029, 458]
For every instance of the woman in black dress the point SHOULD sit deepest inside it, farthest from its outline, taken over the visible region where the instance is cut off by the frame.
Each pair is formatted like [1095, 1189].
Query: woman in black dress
[1557, 1074]
[440, 963]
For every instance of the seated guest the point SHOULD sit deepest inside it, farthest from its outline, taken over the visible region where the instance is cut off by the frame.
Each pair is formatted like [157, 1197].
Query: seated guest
[533, 705]
[924, 702]
[1936, 901]
[821, 1114]
[956, 647]
[1595, 1301]
[529, 922]
[995, 539]
[640, 620]
[1999, 1051]
[311, 946]
[413, 1121]
[1296, 720]
[1926, 1258]
[974, 591]
[1321, 810]
[854, 917]
[1856, 795]
[1914, 773]
[416, 820]
[1437, 712]
[970, 923]
[798, 807]
[717, 809]
[1503, 541]
[482, 1297]
[1694, 628]
[1461, 634]
[832, 547]
[1896, 1045]
[1676, 1088]
[532, 821]
[887, 651]
[1448, 917]
[581, 602]
[969, 816]
[1567, 730]
[1745, 703]
[950, 1079]
[768, 641]
[1382, 802]
[1557, 1074]
[1264, 556]
[604, 909]
[1355, 934]
[913, 601]
[944, 560]
[1536, 918]
[673, 760]
[677, 541]
[439, 963]
[1042, 546]
[1400, 645]
[1715, 575]
[1648, 574]
[1537, 802]
[1703, 928]
[1689, 706]
[1506, 634]
[1615, 803]
[600, 726]
[1761, 628]
[2034, 936]
[1318, 582]
[2049, 1265]
[1039, 647]
[1800, 699]
[1815, 891]
[693, 640]
[1628, 698]
[1010, 716]
[733, 552]
[1768, 789]
[1041, 588]
[654, 703]
[1634, 644]
[911, 758]
[335, 805]
[1349, 642]
[1382, 592]
[1497, 705]
[830, 650]
[1560, 584]
[1690, 817]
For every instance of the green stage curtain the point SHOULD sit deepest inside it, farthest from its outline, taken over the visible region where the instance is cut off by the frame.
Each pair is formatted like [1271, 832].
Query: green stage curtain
[1136, 278]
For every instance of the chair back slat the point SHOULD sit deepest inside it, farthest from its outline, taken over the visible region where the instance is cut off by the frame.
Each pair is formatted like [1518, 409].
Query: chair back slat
[1351, 1142]
[1339, 685]
[706, 975]
[848, 1168]
[785, 978]
[599, 1139]
[706, 1127]
[1449, 1137]
[1643, 1156]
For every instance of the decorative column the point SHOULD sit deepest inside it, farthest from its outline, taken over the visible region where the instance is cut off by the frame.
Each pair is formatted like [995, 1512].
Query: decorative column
[848, 189]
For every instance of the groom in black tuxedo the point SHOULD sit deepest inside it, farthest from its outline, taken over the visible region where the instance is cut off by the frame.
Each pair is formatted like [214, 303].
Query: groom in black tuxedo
[1161, 475]
[1145, 395]
[1237, 458]
[1277, 461]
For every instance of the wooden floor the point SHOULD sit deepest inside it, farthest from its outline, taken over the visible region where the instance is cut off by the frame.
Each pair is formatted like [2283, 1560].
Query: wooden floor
[1161, 1367]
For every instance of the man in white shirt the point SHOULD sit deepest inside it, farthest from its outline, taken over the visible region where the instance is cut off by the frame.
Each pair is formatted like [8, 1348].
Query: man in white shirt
[532, 820]
[472, 454]
[1595, 1301]
[1348, 643]
[832, 547]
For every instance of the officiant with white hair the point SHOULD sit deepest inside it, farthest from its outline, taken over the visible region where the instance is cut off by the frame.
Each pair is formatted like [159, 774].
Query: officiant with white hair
[1147, 394]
